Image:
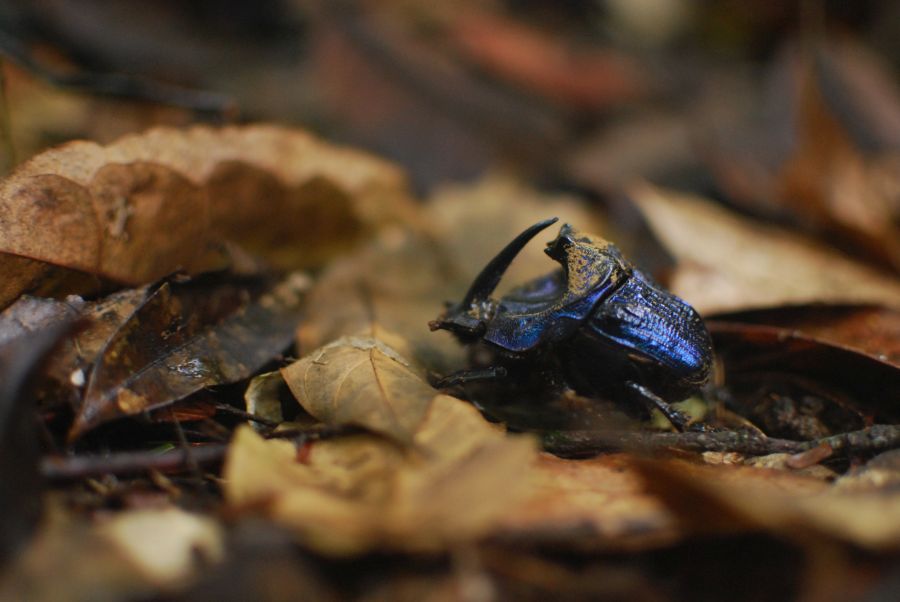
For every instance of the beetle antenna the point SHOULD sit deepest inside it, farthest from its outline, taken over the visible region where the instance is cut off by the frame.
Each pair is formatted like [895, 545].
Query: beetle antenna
[490, 276]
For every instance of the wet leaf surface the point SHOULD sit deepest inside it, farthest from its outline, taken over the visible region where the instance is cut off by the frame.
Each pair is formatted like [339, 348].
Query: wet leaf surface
[187, 336]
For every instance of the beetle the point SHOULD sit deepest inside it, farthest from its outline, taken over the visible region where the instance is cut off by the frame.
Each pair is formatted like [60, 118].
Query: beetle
[596, 325]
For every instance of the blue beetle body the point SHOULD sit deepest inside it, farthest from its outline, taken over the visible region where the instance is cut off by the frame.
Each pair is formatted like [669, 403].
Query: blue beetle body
[598, 325]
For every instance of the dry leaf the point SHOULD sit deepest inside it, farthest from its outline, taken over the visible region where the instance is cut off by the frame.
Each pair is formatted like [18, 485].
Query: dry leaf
[477, 221]
[785, 504]
[727, 262]
[601, 499]
[100, 209]
[389, 289]
[869, 329]
[363, 382]
[185, 337]
[357, 493]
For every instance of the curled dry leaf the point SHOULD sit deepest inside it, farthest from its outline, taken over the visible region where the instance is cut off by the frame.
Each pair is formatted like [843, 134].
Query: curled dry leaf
[361, 381]
[187, 336]
[357, 493]
[727, 262]
[100, 209]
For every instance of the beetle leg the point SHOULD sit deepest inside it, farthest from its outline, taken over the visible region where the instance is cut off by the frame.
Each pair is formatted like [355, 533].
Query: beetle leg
[678, 419]
[464, 377]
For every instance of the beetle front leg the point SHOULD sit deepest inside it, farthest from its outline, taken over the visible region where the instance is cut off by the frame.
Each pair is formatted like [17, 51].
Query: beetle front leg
[678, 419]
[464, 377]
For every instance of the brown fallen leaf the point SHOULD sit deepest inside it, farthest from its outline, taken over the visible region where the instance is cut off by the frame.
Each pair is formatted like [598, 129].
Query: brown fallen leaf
[601, 500]
[361, 381]
[820, 148]
[727, 262]
[871, 329]
[476, 221]
[388, 289]
[783, 504]
[66, 370]
[755, 357]
[99, 209]
[359, 493]
[184, 337]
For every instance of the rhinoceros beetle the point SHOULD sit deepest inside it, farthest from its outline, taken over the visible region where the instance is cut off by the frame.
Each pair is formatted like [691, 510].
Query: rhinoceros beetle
[598, 326]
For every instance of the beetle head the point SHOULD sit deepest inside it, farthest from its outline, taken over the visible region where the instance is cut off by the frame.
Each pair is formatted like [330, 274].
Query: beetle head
[589, 261]
[468, 318]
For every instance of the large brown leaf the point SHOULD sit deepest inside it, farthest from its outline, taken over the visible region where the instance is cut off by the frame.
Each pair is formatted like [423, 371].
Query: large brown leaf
[456, 481]
[101, 209]
[184, 337]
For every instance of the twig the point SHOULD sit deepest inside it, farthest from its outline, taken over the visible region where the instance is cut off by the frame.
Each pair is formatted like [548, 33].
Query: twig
[586, 443]
[80, 467]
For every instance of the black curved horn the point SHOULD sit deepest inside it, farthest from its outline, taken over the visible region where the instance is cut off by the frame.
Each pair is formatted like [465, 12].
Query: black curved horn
[490, 276]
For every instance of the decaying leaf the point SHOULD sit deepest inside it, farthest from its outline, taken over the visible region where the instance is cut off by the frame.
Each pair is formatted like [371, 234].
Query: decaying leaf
[453, 484]
[364, 382]
[69, 365]
[728, 263]
[100, 209]
[187, 336]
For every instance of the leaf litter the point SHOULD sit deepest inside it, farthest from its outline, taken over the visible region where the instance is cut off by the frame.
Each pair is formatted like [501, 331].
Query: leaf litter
[420, 472]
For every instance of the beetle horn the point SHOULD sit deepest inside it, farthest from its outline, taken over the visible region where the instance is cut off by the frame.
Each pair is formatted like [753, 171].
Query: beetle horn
[490, 276]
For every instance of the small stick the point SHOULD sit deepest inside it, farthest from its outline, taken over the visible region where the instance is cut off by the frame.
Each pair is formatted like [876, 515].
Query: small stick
[586, 443]
[56, 468]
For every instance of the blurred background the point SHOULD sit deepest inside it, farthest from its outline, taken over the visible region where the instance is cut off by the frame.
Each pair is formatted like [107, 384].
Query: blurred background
[788, 111]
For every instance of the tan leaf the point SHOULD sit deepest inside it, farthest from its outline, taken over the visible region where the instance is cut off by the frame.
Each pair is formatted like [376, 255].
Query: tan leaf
[727, 262]
[388, 289]
[364, 382]
[362, 492]
[100, 209]
[785, 504]
[477, 221]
